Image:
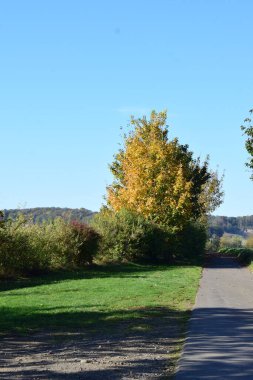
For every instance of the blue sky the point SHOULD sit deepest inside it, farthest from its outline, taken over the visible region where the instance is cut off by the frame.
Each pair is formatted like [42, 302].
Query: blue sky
[72, 73]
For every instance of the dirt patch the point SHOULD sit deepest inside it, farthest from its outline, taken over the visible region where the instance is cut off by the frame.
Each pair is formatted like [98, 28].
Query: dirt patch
[144, 350]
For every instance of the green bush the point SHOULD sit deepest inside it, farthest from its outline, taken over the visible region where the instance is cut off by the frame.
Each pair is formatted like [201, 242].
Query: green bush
[249, 242]
[27, 248]
[224, 250]
[213, 244]
[231, 241]
[86, 241]
[127, 236]
[190, 242]
[243, 255]
[16, 252]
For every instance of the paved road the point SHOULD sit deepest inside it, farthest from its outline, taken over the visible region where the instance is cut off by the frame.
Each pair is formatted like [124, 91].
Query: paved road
[220, 337]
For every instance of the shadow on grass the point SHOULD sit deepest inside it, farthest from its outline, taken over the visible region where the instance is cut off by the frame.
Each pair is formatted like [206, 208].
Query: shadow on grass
[96, 271]
[37, 334]
[27, 319]
[220, 346]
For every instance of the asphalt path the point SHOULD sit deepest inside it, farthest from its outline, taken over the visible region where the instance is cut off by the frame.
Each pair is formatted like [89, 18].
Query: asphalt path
[219, 342]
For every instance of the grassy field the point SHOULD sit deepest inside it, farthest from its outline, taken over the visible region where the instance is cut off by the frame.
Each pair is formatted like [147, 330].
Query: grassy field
[97, 298]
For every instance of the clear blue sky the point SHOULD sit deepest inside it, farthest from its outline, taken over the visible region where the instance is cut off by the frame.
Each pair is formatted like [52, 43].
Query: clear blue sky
[72, 73]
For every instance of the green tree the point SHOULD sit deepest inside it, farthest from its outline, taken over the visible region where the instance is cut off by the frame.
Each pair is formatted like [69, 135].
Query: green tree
[1, 219]
[247, 129]
[230, 241]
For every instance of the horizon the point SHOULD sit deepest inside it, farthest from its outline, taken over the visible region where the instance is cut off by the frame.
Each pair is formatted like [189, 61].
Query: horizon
[96, 211]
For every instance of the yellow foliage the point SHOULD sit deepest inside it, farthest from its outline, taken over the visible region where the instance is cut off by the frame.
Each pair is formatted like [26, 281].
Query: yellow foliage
[156, 177]
[249, 242]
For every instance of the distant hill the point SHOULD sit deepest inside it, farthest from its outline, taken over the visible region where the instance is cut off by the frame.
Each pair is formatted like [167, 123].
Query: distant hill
[41, 214]
[241, 225]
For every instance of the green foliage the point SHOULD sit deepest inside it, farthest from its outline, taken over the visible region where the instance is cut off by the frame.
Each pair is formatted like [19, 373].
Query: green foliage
[230, 241]
[239, 225]
[17, 254]
[249, 242]
[28, 248]
[127, 236]
[190, 242]
[243, 255]
[213, 243]
[247, 128]
[229, 251]
[86, 241]
[2, 221]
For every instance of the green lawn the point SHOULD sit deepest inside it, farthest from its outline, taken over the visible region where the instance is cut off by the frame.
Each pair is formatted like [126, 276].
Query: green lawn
[97, 298]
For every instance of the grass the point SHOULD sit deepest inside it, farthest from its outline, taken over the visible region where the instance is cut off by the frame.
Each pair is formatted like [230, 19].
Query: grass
[97, 298]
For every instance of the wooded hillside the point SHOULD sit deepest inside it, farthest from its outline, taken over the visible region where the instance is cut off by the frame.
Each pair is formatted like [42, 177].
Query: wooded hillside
[40, 214]
[233, 225]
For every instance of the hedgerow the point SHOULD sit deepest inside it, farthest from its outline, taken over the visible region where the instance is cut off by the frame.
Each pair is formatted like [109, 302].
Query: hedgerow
[243, 255]
[27, 248]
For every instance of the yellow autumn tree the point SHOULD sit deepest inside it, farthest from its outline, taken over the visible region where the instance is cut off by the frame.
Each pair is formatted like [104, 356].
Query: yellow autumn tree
[159, 179]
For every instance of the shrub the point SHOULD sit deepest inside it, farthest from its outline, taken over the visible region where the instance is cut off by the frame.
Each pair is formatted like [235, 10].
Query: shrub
[2, 222]
[127, 236]
[223, 250]
[16, 252]
[249, 242]
[243, 255]
[87, 241]
[213, 243]
[190, 242]
[230, 241]
[50, 243]
[27, 248]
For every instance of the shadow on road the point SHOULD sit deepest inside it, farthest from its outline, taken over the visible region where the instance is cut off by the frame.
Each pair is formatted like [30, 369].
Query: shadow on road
[221, 262]
[220, 338]
[221, 345]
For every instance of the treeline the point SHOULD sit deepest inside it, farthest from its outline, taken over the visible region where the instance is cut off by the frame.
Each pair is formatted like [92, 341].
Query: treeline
[218, 225]
[47, 214]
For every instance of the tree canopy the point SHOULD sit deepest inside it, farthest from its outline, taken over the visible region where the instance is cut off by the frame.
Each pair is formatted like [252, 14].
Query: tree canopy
[159, 178]
[247, 128]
